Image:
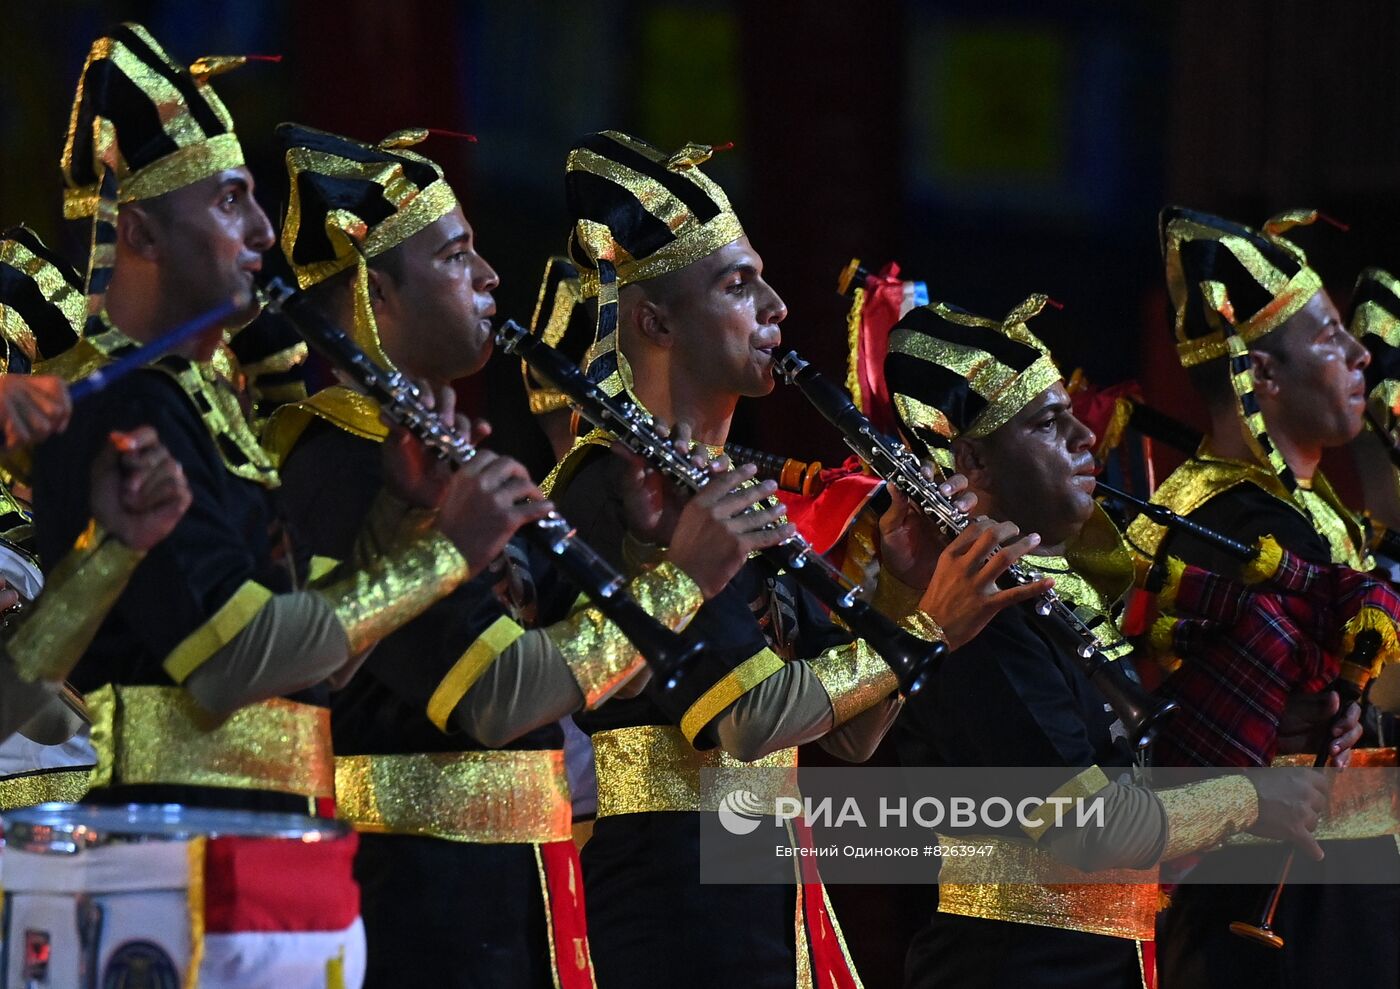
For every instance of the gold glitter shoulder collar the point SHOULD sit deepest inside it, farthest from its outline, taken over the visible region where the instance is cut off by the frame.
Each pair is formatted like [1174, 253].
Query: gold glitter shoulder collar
[337, 405]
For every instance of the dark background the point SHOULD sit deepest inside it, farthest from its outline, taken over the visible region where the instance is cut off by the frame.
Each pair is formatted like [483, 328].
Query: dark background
[993, 149]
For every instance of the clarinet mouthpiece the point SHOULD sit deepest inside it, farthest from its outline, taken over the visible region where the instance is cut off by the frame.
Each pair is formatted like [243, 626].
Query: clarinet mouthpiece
[509, 334]
[789, 366]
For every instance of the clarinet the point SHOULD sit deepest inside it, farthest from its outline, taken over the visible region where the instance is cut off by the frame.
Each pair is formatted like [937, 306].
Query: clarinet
[1140, 712]
[911, 658]
[667, 652]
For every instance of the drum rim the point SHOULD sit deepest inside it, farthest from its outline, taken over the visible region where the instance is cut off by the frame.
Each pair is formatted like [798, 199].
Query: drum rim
[68, 828]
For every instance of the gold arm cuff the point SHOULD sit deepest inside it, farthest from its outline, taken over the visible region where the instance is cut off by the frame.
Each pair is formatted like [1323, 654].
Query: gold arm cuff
[735, 684]
[1084, 785]
[231, 618]
[596, 652]
[854, 677]
[1113, 902]
[500, 796]
[667, 593]
[1202, 815]
[77, 596]
[390, 522]
[893, 596]
[653, 768]
[475, 661]
[159, 735]
[62, 786]
[396, 588]
[1362, 804]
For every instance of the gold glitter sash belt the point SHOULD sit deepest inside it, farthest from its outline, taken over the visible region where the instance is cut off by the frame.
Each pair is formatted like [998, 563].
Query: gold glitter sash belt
[500, 796]
[64, 786]
[653, 768]
[159, 735]
[1116, 909]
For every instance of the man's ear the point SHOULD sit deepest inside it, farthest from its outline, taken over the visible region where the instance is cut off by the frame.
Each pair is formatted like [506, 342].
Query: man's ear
[137, 232]
[1264, 368]
[969, 460]
[649, 318]
[382, 291]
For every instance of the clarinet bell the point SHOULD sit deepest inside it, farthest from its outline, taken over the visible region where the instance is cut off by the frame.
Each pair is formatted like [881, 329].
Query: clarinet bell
[1142, 714]
[1261, 933]
[918, 660]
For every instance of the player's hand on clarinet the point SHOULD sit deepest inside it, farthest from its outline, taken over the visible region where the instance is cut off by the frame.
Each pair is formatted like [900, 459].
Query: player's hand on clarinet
[910, 541]
[721, 525]
[963, 595]
[415, 474]
[489, 500]
[651, 503]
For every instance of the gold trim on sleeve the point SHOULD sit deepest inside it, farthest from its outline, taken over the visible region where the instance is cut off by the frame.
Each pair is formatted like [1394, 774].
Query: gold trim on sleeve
[62, 786]
[478, 656]
[1085, 784]
[735, 684]
[223, 626]
[893, 597]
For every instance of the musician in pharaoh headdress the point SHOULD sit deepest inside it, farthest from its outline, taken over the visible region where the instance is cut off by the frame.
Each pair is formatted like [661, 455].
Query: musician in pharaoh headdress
[48, 758]
[1375, 321]
[686, 325]
[1282, 380]
[983, 397]
[448, 752]
[209, 679]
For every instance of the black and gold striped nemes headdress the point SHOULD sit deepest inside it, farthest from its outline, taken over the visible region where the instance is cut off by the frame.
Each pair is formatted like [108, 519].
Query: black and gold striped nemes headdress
[1225, 278]
[559, 321]
[1375, 321]
[141, 126]
[638, 213]
[953, 374]
[1230, 285]
[350, 202]
[42, 308]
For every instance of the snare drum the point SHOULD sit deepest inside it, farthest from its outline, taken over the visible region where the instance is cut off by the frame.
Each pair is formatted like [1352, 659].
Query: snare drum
[115, 896]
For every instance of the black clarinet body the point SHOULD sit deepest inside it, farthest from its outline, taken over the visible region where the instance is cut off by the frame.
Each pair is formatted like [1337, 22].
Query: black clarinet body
[667, 652]
[1140, 712]
[911, 658]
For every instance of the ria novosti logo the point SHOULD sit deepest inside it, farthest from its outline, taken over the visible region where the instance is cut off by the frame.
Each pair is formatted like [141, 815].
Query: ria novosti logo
[741, 812]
